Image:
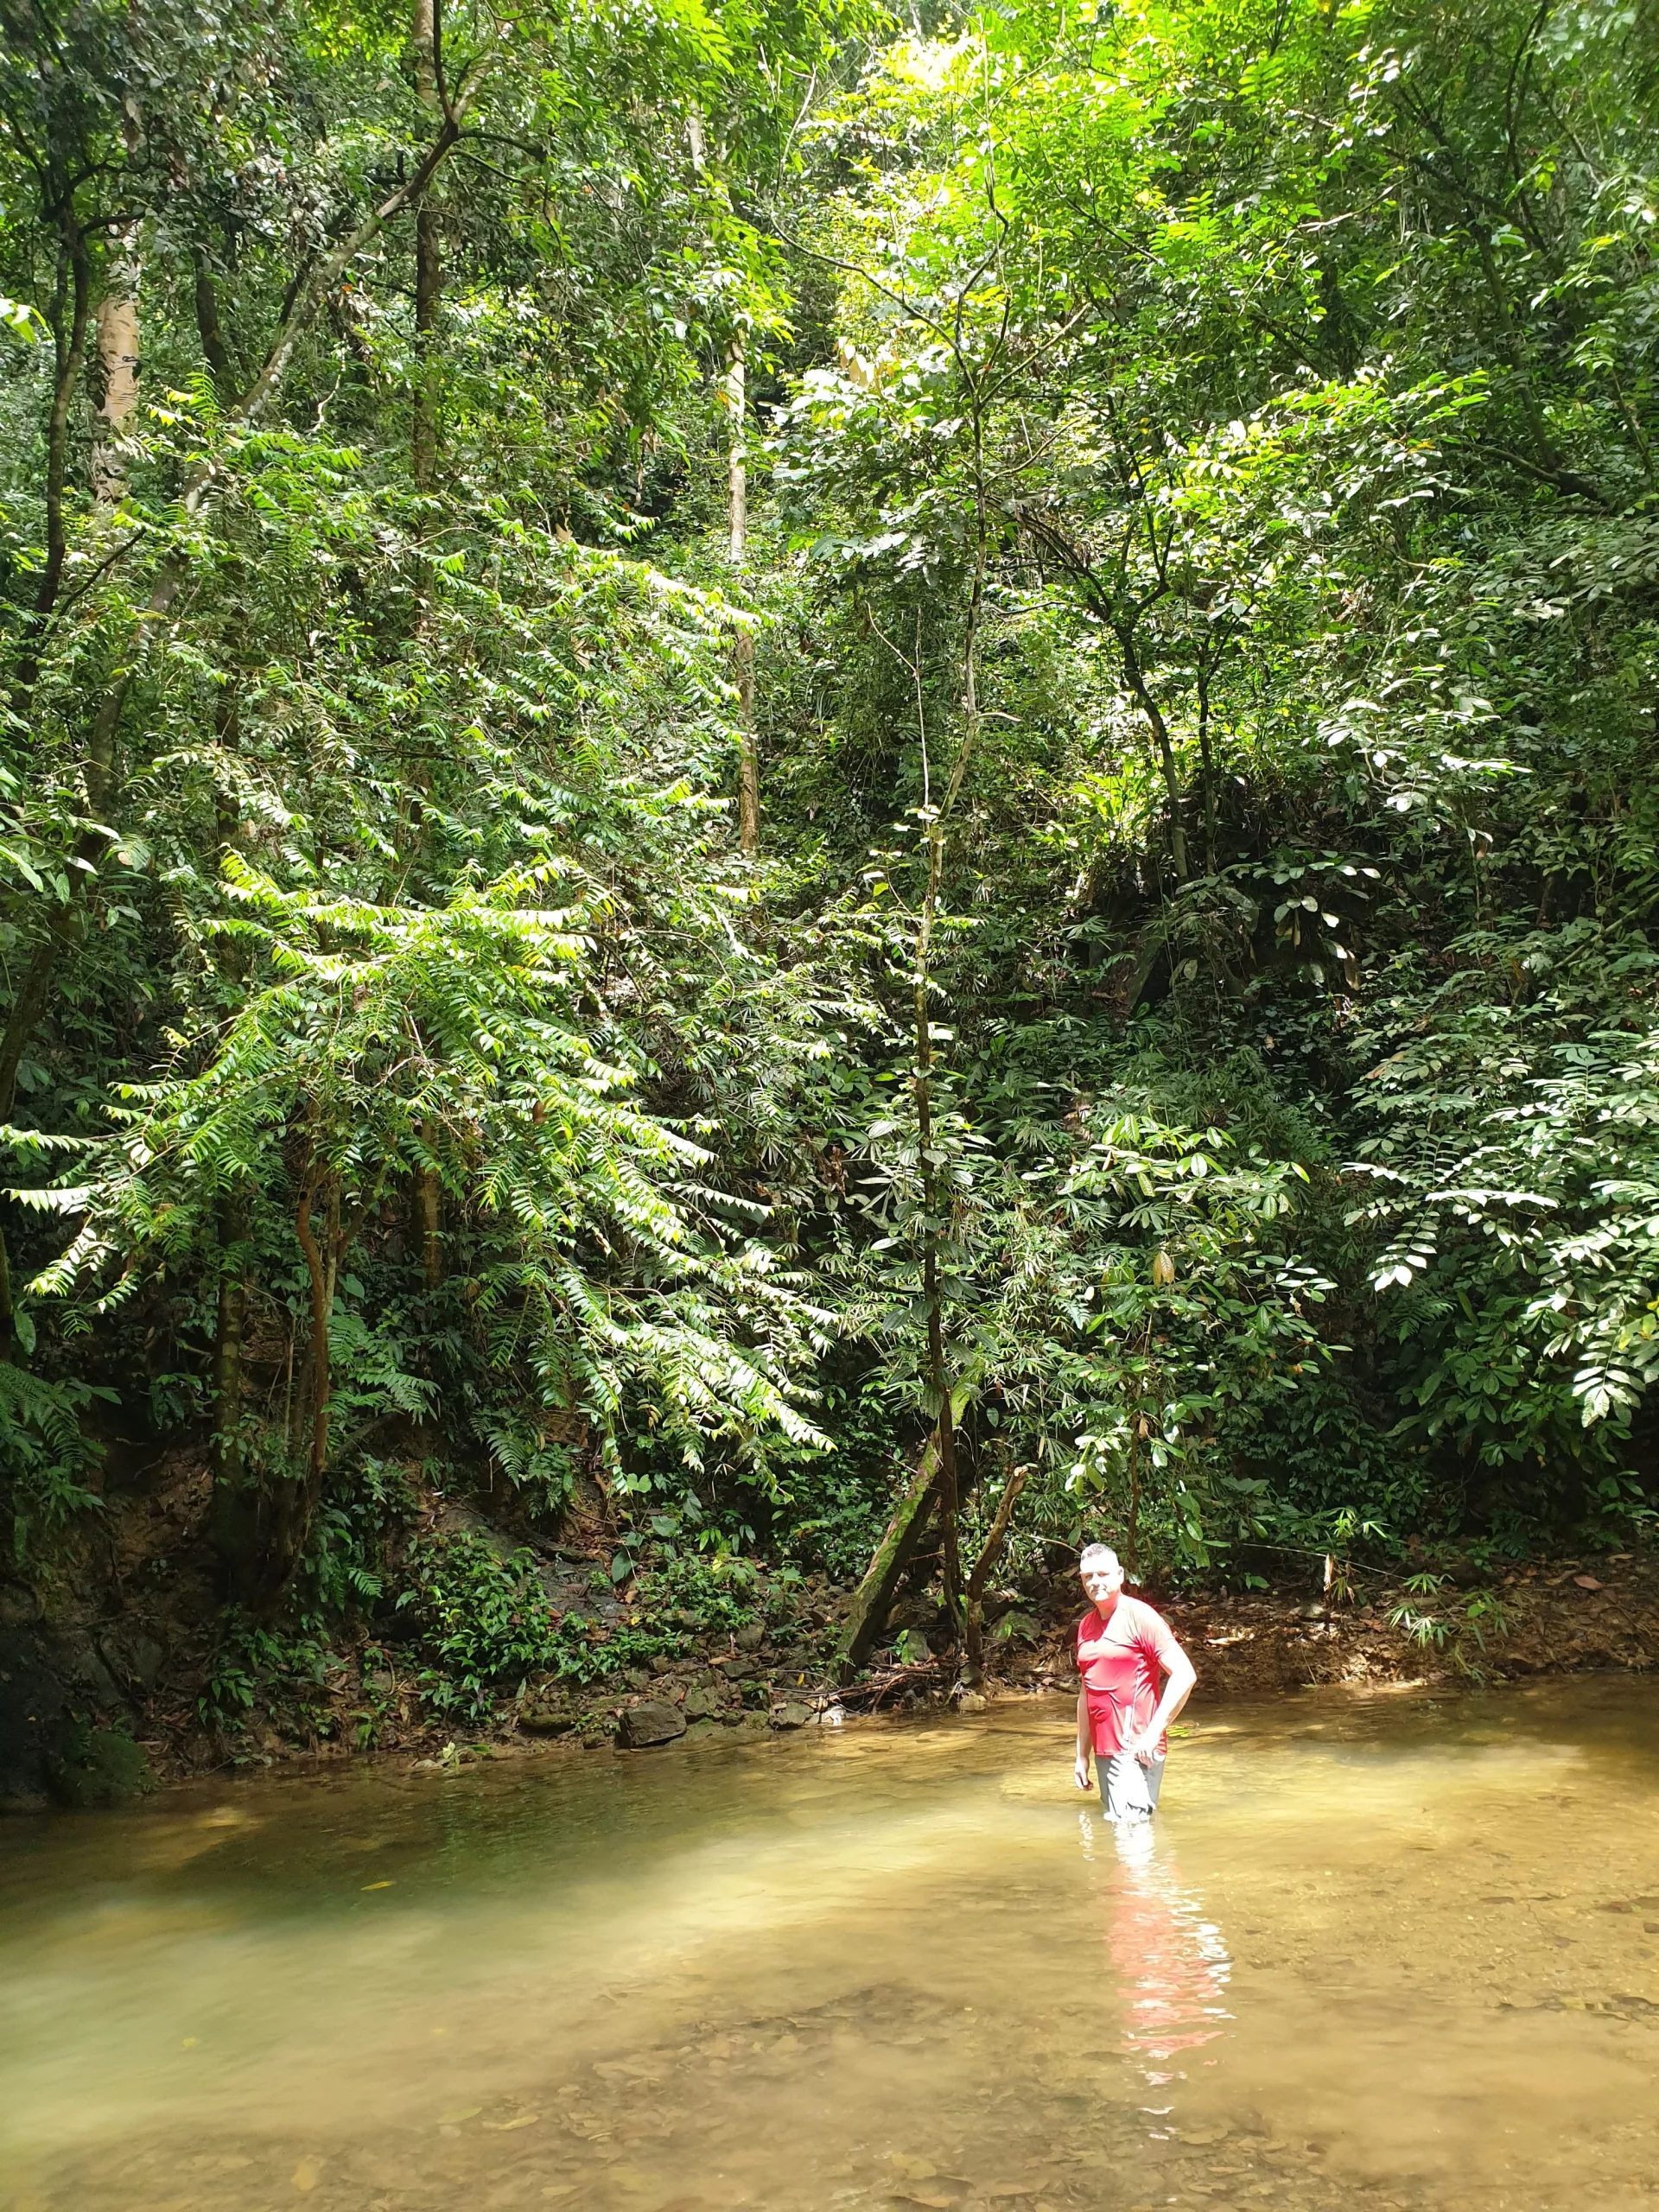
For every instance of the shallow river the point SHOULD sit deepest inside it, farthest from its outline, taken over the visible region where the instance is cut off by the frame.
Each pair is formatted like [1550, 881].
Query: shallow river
[1395, 1953]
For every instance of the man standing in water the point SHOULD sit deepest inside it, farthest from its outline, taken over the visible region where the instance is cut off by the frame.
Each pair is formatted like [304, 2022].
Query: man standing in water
[1122, 1648]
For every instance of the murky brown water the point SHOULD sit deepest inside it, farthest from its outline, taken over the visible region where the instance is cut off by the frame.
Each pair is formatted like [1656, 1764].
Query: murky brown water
[1393, 1954]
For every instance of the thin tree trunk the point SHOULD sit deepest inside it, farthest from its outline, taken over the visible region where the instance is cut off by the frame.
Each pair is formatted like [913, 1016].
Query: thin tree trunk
[423, 466]
[295, 1503]
[71, 348]
[1207, 768]
[429, 284]
[8, 1311]
[286, 1509]
[974, 1610]
[939, 1370]
[215, 351]
[428, 1196]
[749, 766]
[429, 265]
[71, 307]
[1153, 714]
[1547, 455]
[25, 1011]
[227, 1349]
[868, 1614]
[117, 371]
[317, 1273]
[933, 1196]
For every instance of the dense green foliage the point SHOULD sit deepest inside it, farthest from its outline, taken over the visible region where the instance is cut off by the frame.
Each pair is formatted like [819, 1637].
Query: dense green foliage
[1164, 498]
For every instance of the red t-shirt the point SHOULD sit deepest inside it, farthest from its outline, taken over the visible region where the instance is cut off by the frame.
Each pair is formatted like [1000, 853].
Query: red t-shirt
[1119, 1660]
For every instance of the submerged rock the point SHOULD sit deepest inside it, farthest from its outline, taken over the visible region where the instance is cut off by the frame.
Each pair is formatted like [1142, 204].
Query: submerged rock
[652, 1721]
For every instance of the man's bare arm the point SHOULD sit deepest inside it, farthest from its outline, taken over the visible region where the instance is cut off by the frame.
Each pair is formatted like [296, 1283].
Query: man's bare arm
[1177, 1687]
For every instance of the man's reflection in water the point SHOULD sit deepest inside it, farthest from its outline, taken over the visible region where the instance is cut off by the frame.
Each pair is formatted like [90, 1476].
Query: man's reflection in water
[1167, 1958]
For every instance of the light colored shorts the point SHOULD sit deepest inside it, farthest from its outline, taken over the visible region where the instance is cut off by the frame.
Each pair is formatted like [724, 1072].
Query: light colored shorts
[1128, 1790]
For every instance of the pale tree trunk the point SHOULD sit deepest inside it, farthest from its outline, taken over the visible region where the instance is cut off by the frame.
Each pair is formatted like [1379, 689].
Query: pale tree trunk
[117, 371]
[748, 766]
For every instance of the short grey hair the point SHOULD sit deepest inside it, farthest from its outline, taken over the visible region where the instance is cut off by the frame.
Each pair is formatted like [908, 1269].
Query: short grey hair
[1100, 1556]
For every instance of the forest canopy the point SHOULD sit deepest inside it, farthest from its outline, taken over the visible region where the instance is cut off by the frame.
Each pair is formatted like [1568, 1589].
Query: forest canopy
[746, 748]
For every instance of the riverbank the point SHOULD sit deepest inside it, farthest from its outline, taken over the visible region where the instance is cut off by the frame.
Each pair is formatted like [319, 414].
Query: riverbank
[110, 1684]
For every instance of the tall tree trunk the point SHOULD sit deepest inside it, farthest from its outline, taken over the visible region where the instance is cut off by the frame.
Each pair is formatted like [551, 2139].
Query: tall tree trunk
[117, 371]
[749, 766]
[424, 43]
